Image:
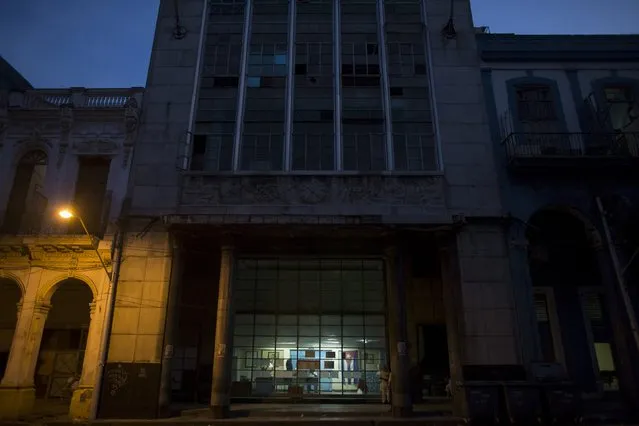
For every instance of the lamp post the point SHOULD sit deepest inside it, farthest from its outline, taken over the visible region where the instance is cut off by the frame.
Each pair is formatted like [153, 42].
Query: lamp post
[67, 214]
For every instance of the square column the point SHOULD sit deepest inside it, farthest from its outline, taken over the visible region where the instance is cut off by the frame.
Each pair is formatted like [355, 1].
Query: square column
[223, 351]
[621, 329]
[402, 405]
[80, 408]
[17, 391]
[479, 305]
[170, 328]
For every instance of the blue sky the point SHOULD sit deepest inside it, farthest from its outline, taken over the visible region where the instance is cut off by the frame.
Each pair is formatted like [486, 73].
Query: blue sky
[107, 43]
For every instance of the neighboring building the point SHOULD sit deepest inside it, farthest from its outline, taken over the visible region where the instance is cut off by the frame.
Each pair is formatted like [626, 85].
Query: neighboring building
[564, 116]
[58, 148]
[313, 196]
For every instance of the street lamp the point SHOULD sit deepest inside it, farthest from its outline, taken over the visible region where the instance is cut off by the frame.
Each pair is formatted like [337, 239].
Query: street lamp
[68, 213]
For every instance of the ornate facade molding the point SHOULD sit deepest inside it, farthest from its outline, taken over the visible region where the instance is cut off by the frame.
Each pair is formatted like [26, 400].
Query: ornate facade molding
[99, 146]
[312, 191]
[131, 127]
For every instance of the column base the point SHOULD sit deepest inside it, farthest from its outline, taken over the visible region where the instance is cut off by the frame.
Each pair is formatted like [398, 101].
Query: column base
[80, 408]
[15, 402]
[401, 411]
[220, 411]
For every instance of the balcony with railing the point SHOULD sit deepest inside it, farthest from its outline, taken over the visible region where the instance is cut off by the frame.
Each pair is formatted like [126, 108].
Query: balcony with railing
[570, 150]
[77, 97]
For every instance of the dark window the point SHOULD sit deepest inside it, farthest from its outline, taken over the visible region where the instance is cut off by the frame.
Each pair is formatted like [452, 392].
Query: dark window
[326, 115]
[273, 81]
[300, 69]
[91, 195]
[535, 103]
[347, 69]
[198, 152]
[363, 81]
[397, 91]
[26, 204]
[420, 69]
[199, 144]
[364, 121]
[212, 152]
[372, 48]
[225, 81]
[622, 106]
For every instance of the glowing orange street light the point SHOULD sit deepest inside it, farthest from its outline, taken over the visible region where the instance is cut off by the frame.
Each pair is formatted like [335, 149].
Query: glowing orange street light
[69, 213]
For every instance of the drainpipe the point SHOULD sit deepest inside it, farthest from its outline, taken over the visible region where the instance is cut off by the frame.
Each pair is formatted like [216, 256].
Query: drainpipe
[619, 274]
[108, 322]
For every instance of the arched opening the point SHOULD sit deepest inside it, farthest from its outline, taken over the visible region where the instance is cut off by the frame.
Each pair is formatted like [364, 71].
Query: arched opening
[10, 295]
[64, 340]
[26, 202]
[572, 323]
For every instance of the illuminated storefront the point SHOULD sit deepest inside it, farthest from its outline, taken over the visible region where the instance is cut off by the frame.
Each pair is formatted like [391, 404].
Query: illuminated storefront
[308, 326]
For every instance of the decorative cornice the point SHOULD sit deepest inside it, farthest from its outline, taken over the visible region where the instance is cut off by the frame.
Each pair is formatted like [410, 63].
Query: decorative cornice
[558, 48]
[42, 308]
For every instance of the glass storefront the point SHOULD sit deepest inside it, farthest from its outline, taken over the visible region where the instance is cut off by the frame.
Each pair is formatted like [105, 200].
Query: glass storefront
[308, 327]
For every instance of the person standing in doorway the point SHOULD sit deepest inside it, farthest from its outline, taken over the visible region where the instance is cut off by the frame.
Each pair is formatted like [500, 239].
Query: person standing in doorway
[385, 384]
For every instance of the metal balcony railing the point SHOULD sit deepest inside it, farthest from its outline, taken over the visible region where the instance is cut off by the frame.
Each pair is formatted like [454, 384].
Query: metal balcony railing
[529, 146]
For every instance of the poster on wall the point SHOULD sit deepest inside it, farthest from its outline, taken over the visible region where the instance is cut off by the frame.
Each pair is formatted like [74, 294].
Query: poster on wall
[349, 362]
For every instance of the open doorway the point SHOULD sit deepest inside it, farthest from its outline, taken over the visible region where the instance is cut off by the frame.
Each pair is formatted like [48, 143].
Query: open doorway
[64, 340]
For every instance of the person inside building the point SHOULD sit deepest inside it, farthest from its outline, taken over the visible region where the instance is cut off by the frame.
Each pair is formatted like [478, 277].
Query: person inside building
[385, 384]
[362, 388]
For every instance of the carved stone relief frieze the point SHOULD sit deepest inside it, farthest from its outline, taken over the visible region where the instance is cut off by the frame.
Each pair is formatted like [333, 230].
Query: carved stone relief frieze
[96, 146]
[35, 137]
[312, 190]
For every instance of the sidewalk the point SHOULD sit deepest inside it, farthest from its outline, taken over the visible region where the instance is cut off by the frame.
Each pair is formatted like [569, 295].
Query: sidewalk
[289, 414]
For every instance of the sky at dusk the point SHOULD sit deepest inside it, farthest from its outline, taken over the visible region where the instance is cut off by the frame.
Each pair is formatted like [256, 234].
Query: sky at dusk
[107, 43]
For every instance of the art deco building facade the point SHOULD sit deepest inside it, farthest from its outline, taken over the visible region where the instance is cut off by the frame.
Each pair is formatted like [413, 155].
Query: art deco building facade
[313, 197]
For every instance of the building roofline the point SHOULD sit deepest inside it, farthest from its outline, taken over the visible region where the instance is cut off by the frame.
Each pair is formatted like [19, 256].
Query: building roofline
[564, 48]
[15, 79]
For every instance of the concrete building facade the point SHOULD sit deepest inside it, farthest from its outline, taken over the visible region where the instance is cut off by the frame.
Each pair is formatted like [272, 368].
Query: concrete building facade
[565, 129]
[313, 196]
[63, 148]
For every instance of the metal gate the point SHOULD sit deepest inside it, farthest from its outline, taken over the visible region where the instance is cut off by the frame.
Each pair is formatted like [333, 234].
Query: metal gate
[67, 368]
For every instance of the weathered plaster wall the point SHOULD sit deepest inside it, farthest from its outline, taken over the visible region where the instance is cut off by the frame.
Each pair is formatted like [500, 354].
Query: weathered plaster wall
[154, 186]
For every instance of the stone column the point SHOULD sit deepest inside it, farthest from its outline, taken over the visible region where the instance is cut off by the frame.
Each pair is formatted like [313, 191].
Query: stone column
[523, 294]
[453, 311]
[170, 329]
[222, 361]
[17, 391]
[621, 329]
[400, 392]
[80, 408]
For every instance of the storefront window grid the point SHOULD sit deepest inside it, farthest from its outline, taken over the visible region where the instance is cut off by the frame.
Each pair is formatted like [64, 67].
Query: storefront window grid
[255, 272]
